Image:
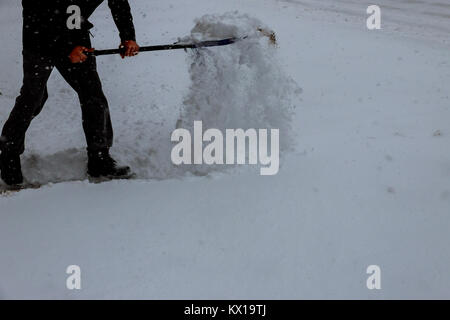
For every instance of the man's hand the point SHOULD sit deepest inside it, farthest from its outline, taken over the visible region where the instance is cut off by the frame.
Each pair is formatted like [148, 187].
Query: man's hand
[130, 47]
[77, 55]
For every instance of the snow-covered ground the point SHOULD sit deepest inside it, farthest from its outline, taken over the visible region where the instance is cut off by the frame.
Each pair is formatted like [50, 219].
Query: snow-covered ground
[368, 182]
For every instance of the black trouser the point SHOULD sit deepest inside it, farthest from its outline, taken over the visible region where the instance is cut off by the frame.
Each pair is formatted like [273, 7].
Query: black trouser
[82, 77]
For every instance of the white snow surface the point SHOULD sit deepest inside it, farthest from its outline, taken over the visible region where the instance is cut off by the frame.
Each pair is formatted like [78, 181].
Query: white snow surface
[365, 176]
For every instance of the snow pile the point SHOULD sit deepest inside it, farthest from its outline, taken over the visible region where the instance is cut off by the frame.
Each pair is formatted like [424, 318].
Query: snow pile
[240, 85]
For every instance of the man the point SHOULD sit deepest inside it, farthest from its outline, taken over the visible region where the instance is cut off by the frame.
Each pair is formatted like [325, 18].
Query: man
[48, 42]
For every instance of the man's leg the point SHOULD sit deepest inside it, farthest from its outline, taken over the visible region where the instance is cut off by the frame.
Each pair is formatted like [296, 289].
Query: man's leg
[84, 79]
[29, 103]
[33, 94]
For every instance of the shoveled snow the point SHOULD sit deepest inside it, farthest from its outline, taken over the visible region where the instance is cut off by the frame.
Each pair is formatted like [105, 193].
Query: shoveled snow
[239, 86]
[368, 184]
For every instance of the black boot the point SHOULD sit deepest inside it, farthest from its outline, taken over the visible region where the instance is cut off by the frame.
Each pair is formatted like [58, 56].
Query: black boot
[101, 165]
[11, 169]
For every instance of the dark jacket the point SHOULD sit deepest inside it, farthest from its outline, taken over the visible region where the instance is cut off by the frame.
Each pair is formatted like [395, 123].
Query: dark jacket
[45, 24]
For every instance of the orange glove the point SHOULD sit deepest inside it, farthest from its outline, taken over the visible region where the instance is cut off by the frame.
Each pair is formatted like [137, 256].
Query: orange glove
[131, 48]
[78, 54]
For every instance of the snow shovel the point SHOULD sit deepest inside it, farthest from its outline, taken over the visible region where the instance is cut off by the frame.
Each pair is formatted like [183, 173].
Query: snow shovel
[175, 46]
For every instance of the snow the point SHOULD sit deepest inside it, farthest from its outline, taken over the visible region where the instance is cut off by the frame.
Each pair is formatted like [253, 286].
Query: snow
[238, 86]
[368, 182]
